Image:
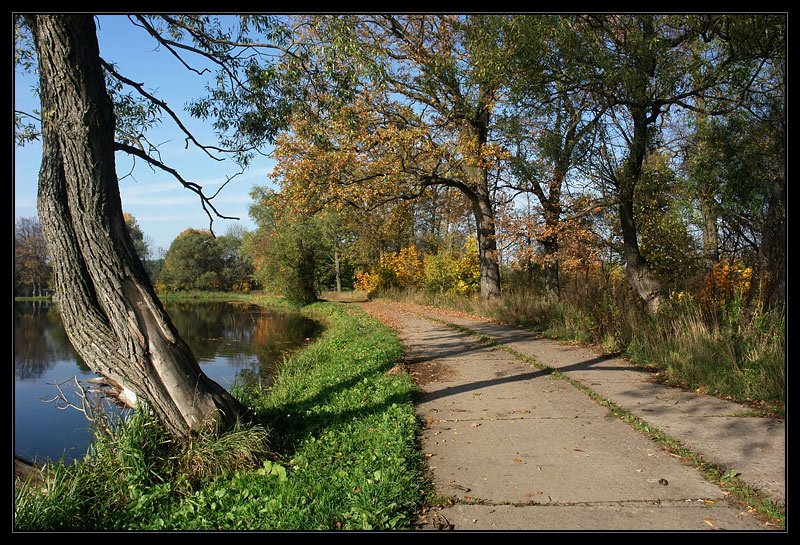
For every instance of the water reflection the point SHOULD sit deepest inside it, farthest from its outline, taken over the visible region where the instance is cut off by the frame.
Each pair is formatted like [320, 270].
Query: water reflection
[40, 340]
[231, 341]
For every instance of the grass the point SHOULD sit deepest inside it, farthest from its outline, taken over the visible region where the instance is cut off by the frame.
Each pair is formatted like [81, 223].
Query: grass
[721, 351]
[207, 295]
[345, 296]
[340, 453]
[726, 354]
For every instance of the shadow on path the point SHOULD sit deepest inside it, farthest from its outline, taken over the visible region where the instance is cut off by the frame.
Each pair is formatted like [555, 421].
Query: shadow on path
[453, 390]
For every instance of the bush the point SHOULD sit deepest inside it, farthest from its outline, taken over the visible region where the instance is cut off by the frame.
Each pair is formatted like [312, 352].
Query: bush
[404, 270]
[453, 272]
[456, 273]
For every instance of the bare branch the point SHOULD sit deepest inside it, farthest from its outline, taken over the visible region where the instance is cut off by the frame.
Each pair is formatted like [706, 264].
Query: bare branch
[26, 114]
[166, 43]
[163, 106]
[195, 188]
[86, 402]
[227, 181]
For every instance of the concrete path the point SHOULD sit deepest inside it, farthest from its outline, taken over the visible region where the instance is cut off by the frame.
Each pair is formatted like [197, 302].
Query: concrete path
[518, 449]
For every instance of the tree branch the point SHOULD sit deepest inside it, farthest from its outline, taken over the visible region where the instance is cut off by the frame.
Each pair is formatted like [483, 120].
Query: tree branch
[191, 186]
[163, 106]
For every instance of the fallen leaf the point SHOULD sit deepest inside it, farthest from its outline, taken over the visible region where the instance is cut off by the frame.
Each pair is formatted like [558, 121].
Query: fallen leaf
[707, 521]
[709, 502]
[578, 450]
[517, 460]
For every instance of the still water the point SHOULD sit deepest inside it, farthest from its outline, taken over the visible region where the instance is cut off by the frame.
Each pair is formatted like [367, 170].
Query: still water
[232, 341]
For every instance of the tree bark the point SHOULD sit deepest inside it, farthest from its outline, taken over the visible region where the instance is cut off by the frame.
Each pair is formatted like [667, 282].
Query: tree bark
[111, 314]
[552, 220]
[768, 282]
[476, 133]
[637, 270]
[487, 247]
[710, 233]
[337, 270]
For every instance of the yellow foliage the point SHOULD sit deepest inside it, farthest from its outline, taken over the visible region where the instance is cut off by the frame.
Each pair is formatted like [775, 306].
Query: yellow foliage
[449, 272]
[404, 269]
[452, 272]
[724, 282]
[367, 281]
[679, 296]
[407, 267]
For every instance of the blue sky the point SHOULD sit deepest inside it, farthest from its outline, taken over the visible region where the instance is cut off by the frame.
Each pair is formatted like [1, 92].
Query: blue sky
[160, 204]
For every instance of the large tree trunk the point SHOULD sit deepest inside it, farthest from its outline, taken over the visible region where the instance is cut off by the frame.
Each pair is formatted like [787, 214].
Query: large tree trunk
[637, 270]
[487, 247]
[710, 233]
[552, 219]
[111, 314]
[476, 133]
[768, 283]
[552, 279]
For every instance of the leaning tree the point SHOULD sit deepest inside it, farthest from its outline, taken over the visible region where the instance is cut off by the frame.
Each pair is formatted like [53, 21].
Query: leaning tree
[110, 311]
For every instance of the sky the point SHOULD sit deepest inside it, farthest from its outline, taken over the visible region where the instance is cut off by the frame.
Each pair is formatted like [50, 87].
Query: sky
[161, 206]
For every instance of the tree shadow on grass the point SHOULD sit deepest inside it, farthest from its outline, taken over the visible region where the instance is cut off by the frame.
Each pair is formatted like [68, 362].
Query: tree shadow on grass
[294, 422]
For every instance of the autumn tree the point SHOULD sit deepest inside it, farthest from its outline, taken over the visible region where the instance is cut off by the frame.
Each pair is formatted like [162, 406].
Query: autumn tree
[419, 114]
[32, 268]
[547, 126]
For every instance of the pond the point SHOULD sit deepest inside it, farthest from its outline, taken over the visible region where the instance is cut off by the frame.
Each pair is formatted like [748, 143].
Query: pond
[232, 342]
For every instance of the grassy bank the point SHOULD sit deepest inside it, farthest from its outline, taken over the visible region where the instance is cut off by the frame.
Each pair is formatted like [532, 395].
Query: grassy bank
[339, 452]
[722, 351]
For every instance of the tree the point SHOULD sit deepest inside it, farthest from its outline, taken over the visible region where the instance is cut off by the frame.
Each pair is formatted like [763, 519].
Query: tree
[110, 311]
[142, 244]
[641, 66]
[237, 266]
[418, 115]
[193, 261]
[287, 249]
[137, 237]
[32, 268]
[660, 208]
[547, 125]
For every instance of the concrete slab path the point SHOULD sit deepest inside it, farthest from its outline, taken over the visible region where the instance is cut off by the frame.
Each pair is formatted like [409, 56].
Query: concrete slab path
[519, 449]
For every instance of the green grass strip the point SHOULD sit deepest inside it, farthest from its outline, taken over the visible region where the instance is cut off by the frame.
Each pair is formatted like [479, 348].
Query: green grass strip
[345, 437]
[340, 451]
[728, 480]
